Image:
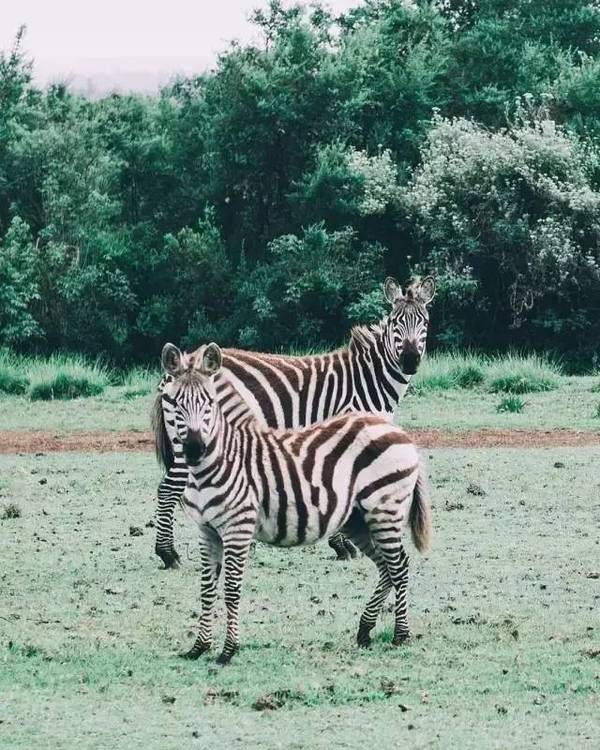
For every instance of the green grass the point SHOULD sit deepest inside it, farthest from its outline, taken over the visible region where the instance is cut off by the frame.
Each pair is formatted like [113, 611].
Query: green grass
[66, 377]
[510, 373]
[446, 371]
[511, 404]
[434, 400]
[12, 380]
[504, 614]
[532, 374]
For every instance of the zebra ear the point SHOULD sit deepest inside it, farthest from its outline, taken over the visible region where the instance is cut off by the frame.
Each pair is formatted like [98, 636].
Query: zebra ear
[426, 290]
[171, 359]
[392, 290]
[211, 359]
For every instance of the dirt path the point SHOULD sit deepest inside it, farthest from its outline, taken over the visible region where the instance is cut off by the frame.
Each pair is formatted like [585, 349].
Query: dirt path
[90, 441]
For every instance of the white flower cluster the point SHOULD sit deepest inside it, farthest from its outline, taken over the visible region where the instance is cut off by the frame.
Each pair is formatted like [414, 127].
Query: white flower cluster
[380, 180]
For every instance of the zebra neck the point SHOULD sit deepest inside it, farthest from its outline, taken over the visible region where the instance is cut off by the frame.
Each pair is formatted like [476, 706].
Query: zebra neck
[378, 383]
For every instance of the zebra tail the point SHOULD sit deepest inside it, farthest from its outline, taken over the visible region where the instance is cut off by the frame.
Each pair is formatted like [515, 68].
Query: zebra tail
[162, 444]
[419, 516]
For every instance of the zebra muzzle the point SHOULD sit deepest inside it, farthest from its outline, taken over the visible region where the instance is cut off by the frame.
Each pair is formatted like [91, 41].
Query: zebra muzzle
[410, 358]
[193, 447]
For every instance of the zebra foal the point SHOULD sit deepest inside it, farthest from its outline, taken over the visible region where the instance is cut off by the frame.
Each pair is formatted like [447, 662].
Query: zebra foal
[370, 375]
[354, 472]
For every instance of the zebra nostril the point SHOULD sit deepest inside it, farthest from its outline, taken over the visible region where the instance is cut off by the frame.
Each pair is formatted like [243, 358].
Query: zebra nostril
[193, 447]
[410, 358]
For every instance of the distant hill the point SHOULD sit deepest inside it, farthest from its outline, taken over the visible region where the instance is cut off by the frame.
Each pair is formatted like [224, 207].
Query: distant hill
[95, 78]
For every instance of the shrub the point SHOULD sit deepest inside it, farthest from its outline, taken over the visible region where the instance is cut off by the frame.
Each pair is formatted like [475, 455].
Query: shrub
[597, 413]
[512, 404]
[515, 374]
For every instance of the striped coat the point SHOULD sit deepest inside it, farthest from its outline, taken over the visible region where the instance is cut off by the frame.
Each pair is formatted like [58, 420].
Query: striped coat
[355, 472]
[372, 375]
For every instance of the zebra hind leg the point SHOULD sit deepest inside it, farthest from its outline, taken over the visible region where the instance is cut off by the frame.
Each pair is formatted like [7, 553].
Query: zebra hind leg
[343, 546]
[387, 539]
[169, 491]
[357, 530]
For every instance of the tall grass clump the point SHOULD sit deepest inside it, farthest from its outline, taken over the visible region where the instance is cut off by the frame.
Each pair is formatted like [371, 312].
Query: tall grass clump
[12, 380]
[447, 370]
[511, 405]
[514, 373]
[139, 381]
[66, 377]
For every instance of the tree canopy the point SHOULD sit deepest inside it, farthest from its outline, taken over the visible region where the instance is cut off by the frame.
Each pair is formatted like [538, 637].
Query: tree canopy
[262, 203]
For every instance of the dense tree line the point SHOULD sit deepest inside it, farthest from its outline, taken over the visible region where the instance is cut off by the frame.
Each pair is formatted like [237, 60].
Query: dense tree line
[262, 203]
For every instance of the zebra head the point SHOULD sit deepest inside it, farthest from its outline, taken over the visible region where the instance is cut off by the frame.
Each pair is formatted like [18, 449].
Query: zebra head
[406, 330]
[189, 399]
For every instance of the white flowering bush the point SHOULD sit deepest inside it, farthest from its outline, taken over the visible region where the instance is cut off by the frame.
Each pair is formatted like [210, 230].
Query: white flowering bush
[514, 215]
[379, 178]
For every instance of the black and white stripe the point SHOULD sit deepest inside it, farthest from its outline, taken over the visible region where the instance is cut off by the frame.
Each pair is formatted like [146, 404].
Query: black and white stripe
[372, 374]
[355, 472]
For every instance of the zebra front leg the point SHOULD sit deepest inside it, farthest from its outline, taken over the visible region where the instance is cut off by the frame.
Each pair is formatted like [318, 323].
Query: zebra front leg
[211, 557]
[169, 491]
[236, 550]
[342, 546]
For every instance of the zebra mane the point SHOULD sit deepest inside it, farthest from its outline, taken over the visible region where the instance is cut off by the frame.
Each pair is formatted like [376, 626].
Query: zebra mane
[364, 337]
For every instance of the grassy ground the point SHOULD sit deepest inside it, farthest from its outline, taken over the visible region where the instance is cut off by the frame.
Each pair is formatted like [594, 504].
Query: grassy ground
[450, 391]
[572, 405]
[506, 647]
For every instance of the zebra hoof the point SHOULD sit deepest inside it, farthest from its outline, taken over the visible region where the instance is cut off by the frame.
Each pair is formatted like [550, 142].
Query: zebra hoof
[170, 558]
[194, 653]
[342, 555]
[225, 657]
[402, 639]
[350, 549]
[363, 639]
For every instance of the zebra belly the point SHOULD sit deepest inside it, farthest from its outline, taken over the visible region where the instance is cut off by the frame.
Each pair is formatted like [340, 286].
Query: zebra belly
[284, 526]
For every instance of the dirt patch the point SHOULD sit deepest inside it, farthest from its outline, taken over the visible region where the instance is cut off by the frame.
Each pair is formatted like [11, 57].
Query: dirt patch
[38, 441]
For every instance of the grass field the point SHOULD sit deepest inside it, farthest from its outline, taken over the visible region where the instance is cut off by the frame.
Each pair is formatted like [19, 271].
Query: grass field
[505, 618]
[436, 398]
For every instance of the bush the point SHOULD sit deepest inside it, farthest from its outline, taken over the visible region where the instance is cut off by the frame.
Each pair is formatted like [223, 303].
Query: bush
[510, 220]
[511, 404]
[532, 374]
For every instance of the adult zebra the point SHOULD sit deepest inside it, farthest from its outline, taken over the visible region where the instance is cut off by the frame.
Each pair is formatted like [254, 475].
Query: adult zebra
[371, 374]
[355, 472]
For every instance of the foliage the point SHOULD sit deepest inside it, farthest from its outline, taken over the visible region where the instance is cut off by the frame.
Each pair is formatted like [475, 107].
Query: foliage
[309, 287]
[459, 137]
[510, 220]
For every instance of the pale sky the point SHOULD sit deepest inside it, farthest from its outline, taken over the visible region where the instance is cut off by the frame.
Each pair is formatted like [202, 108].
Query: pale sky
[71, 30]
